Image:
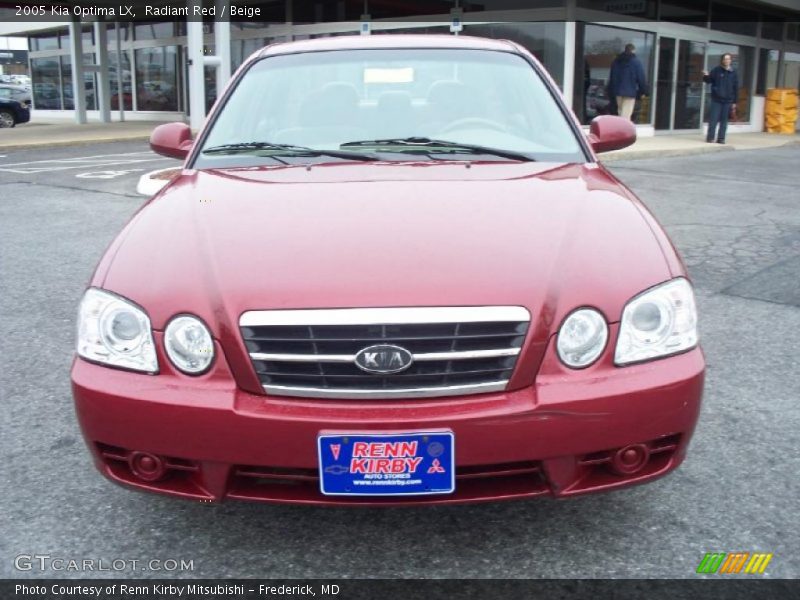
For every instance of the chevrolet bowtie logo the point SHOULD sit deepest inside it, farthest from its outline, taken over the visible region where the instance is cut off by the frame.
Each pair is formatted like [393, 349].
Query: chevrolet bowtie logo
[384, 359]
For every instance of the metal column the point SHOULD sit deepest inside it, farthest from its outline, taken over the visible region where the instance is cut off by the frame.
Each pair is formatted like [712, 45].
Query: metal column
[570, 34]
[120, 75]
[569, 62]
[103, 83]
[222, 43]
[197, 84]
[78, 83]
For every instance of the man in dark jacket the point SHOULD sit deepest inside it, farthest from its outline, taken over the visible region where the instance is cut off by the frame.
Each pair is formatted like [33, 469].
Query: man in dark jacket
[724, 92]
[627, 81]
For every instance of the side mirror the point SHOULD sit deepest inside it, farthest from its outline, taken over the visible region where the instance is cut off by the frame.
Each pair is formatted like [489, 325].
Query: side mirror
[172, 139]
[608, 132]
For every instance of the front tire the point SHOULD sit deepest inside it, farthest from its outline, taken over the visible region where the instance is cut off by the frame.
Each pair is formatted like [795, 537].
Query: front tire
[7, 119]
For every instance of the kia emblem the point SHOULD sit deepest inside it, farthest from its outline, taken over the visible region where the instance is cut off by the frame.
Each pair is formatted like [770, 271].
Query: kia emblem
[384, 359]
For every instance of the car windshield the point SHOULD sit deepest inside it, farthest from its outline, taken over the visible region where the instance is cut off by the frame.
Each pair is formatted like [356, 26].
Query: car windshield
[393, 104]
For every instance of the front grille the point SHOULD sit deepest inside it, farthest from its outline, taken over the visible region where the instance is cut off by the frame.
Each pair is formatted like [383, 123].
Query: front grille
[455, 350]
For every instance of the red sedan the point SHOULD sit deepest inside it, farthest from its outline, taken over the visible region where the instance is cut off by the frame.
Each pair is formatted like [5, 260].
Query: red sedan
[391, 271]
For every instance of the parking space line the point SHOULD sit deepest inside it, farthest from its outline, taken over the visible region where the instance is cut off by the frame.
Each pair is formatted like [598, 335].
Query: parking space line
[80, 162]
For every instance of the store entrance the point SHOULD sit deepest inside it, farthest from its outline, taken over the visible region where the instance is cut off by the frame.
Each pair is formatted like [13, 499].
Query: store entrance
[679, 89]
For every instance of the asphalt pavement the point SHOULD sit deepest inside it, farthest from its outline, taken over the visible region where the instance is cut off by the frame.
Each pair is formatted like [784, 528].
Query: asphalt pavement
[734, 216]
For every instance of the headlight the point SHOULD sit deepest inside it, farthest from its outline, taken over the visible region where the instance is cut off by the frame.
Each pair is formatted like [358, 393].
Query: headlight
[115, 332]
[189, 345]
[582, 337]
[658, 322]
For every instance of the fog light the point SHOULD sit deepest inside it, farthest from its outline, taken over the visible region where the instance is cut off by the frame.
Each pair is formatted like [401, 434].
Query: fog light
[630, 459]
[147, 467]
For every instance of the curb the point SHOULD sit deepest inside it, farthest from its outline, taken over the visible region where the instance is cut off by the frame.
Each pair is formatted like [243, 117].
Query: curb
[707, 149]
[634, 154]
[80, 142]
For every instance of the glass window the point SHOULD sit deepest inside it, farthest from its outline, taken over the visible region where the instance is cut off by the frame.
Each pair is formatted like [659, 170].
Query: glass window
[544, 40]
[88, 36]
[90, 82]
[791, 71]
[66, 83]
[324, 100]
[210, 78]
[46, 83]
[127, 88]
[157, 78]
[45, 41]
[600, 46]
[64, 39]
[242, 49]
[767, 70]
[154, 31]
[743, 59]
[124, 33]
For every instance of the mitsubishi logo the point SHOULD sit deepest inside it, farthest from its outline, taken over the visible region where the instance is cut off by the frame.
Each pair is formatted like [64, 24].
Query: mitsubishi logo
[383, 359]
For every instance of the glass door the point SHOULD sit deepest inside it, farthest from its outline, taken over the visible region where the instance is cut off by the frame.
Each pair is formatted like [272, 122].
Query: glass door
[689, 85]
[679, 100]
[664, 83]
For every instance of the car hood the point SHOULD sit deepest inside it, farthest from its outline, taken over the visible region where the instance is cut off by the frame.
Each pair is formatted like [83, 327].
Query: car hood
[547, 237]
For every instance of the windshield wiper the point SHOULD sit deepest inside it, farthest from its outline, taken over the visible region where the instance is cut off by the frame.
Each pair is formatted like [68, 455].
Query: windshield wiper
[433, 146]
[284, 149]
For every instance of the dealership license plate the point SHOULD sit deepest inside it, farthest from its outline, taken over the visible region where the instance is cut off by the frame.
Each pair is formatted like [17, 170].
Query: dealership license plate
[396, 464]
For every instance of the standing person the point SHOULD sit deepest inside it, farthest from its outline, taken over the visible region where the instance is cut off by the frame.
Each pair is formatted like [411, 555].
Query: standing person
[627, 81]
[724, 92]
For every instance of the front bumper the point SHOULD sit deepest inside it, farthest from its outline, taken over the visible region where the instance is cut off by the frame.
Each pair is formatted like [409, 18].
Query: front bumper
[23, 115]
[557, 437]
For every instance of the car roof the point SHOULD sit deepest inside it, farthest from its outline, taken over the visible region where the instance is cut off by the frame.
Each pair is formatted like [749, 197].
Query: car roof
[364, 42]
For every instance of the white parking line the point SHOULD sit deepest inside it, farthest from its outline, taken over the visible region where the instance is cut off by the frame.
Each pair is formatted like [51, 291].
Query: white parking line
[106, 174]
[80, 162]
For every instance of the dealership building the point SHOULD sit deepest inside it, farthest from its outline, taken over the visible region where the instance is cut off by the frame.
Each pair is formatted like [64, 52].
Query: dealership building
[104, 67]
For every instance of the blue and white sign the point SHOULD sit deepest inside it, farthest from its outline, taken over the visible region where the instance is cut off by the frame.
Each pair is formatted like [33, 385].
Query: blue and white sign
[391, 464]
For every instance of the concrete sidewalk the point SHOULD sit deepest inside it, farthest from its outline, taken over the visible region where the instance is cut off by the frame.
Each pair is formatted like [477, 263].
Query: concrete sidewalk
[40, 133]
[59, 133]
[694, 143]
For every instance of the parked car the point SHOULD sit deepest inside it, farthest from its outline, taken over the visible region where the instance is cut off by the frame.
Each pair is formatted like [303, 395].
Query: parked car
[16, 92]
[310, 311]
[22, 80]
[13, 112]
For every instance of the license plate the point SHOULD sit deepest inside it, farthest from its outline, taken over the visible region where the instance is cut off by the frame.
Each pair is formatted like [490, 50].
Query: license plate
[391, 464]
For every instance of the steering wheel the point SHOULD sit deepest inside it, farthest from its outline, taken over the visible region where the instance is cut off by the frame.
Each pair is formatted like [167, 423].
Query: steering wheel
[471, 122]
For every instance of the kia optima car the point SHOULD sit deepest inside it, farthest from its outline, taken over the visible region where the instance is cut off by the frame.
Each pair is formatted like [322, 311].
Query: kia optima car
[390, 270]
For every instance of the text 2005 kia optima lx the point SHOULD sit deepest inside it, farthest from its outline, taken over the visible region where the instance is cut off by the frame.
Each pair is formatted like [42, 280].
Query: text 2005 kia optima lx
[391, 270]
